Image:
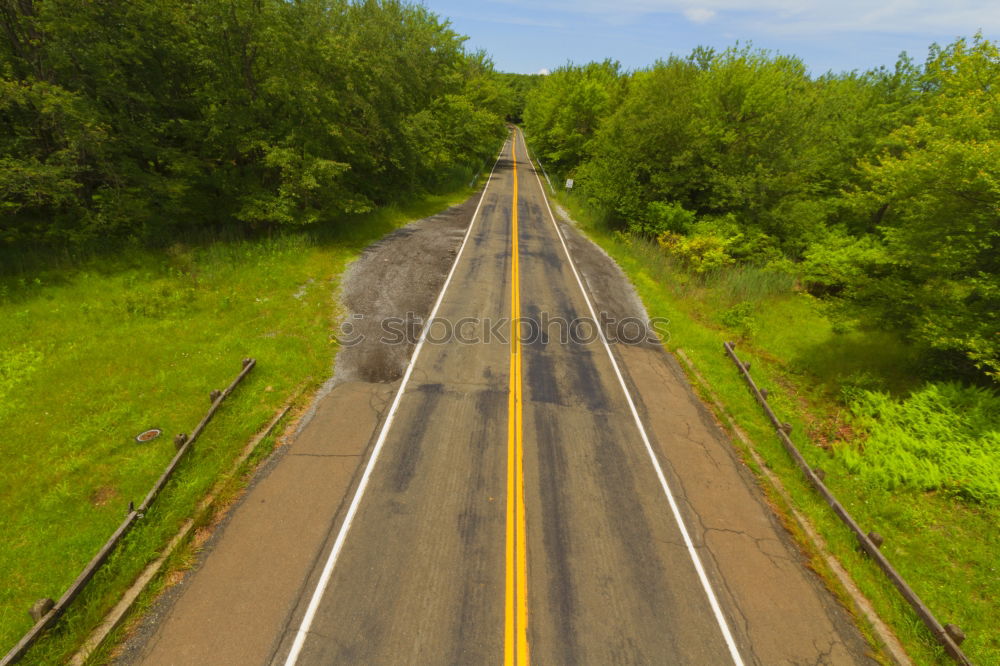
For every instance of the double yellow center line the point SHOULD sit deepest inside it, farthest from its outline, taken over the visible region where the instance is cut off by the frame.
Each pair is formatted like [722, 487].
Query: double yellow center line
[516, 597]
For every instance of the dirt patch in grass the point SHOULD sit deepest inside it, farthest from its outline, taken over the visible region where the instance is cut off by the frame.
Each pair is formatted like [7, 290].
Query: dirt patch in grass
[103, 495]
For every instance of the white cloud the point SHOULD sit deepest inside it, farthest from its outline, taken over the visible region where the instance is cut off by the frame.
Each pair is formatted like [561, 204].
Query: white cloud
[959, 17]
[699, 14]
[543, 71]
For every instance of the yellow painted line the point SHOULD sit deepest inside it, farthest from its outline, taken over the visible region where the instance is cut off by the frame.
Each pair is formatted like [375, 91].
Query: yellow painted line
[516, 595]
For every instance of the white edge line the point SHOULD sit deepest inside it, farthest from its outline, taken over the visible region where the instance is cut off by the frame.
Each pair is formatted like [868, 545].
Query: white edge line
[702, 576]
[331, 561]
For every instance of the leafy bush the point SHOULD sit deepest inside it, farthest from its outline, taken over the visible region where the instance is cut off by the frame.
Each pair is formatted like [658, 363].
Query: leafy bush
[700, 254]
[741, 318]
[662, 217]
[859, 381]
[943, 437]
[839, 261]
[745, 243]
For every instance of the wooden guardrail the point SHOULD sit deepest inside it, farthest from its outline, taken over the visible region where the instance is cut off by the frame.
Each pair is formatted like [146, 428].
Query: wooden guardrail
[949, 636]
[47, 611]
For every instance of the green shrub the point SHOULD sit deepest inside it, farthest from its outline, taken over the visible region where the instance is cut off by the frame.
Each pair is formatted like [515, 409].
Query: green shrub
[744, 242]
[662, 217]
[741, 319]
[943, 437]
[840, 260]
[700, 254]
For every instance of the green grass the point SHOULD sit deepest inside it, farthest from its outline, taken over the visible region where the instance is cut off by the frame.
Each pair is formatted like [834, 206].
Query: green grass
[948, 550]
[96, 351]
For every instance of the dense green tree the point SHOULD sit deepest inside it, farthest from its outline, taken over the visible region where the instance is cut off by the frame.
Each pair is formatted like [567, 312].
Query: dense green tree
[144, 117]
[936, 192]
[740, 133]
[639, 149]
[565, 110]
[518, 86]
[881, 185]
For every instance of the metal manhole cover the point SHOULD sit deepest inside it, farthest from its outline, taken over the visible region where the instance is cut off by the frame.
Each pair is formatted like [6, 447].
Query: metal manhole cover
[150, 434]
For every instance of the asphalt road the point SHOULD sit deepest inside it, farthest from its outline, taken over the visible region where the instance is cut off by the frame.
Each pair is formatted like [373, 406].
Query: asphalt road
[505, 497]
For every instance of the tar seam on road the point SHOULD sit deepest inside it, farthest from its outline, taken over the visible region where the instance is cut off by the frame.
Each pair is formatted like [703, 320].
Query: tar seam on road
[516, 595]
[695, 559]
[324, 581]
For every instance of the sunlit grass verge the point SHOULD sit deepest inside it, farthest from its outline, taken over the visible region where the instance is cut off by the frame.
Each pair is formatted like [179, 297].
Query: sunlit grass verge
[96, 353]
[948, 550]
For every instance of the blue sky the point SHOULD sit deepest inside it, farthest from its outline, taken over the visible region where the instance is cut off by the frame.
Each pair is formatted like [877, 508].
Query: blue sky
[532, 35]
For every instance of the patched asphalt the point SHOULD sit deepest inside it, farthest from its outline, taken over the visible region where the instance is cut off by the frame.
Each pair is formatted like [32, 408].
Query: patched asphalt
[421, 576]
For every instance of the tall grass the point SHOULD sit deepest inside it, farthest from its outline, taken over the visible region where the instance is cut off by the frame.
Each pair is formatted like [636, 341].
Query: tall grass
[745, 283]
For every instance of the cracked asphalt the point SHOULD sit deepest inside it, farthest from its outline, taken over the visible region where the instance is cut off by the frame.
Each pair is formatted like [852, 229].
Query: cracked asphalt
[421, 574]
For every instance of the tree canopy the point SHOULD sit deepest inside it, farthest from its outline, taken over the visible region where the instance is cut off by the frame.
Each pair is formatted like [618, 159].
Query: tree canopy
[879, 188]
[146, 117]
